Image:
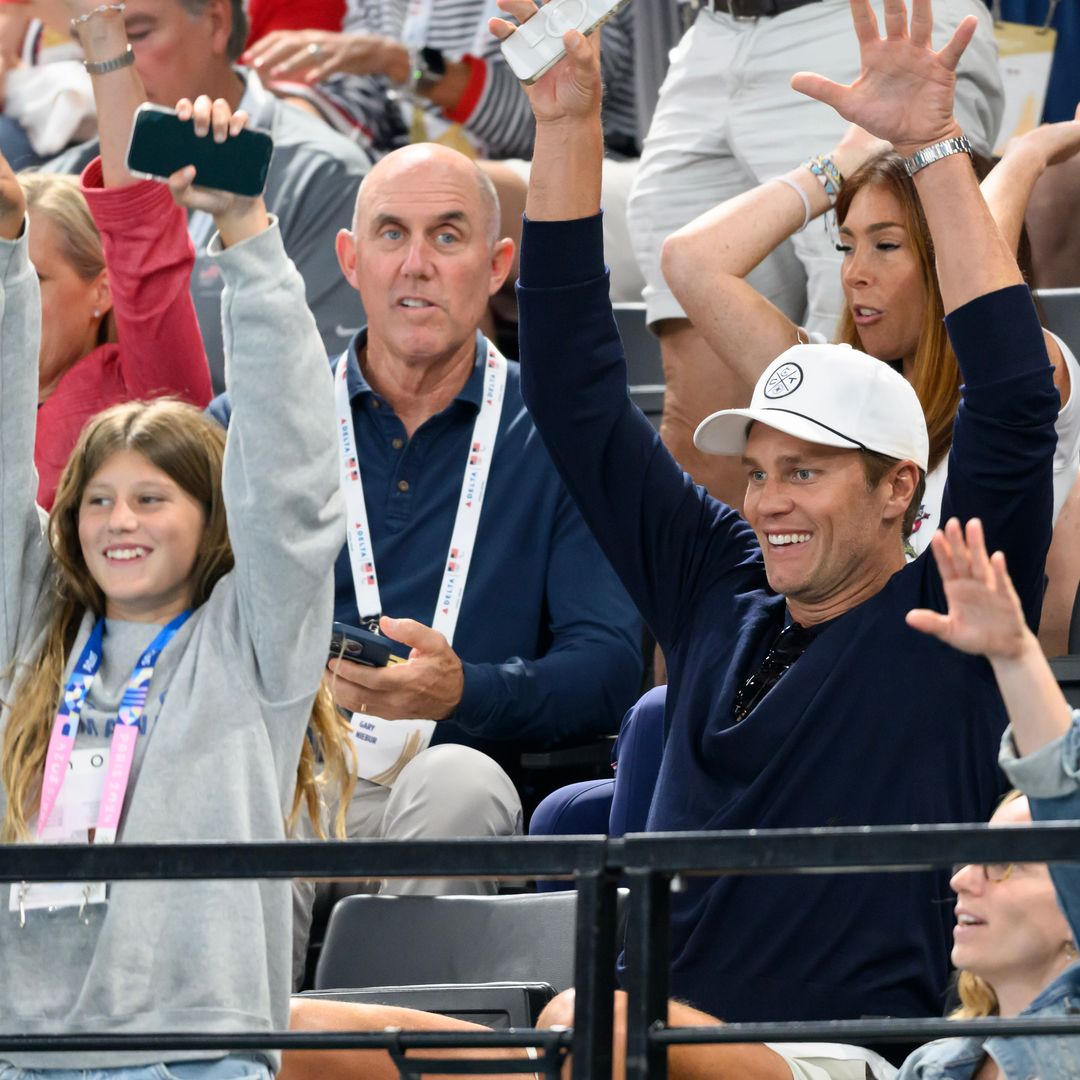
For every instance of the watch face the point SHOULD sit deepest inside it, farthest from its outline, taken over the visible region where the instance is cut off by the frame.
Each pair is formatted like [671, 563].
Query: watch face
[433, 62]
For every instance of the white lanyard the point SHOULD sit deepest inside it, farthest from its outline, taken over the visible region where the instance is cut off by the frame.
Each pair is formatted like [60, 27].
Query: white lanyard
[470, 502]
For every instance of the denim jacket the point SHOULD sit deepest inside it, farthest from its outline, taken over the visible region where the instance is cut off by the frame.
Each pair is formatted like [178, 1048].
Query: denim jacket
[1051, 780]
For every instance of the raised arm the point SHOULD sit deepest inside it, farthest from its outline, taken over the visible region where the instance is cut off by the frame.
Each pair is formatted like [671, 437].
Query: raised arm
[118, 92]
[985, 619]
[707, 261]
[24, 550]
[281, 470]
[904, 94]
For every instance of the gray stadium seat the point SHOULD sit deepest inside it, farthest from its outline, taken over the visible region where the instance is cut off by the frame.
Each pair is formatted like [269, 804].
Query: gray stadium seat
[490, 959]
[645, 372]
[1061, 313]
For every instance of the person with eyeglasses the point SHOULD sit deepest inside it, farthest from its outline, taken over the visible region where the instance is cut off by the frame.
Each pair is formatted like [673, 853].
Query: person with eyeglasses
[863, 721]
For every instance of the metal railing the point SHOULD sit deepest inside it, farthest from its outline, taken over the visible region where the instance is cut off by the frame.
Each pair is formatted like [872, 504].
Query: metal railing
[648, 863]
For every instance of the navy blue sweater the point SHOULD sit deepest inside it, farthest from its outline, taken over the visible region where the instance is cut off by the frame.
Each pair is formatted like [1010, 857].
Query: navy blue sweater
[874, 725]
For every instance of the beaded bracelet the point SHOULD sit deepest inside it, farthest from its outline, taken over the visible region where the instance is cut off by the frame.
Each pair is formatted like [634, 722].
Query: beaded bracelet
[824, 168]
[101, 9]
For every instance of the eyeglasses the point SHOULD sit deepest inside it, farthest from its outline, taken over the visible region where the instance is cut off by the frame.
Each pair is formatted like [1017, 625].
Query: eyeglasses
[788, 647]
[995, 871]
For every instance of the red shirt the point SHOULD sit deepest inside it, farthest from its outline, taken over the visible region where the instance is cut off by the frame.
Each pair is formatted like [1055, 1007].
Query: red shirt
[268, 15]
[160, 352]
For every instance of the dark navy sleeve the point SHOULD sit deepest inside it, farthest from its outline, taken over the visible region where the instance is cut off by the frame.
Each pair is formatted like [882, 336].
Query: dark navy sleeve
[663, 534]
[589, 675]
[1002, 456]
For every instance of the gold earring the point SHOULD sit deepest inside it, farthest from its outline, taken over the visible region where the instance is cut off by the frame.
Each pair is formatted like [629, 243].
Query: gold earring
[1071, 952]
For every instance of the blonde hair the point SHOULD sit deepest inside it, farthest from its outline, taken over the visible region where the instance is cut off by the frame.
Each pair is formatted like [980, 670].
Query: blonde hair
[977, 996]
[188, 447]
[59, 198]
[935, 374]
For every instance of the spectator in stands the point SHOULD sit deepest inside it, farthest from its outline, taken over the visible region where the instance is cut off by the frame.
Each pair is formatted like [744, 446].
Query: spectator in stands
[209, 639]
[545, 650]
[117, 318]
[790, 700]
[398, 74]
[892, 303]
[188, 47]
[727, 120]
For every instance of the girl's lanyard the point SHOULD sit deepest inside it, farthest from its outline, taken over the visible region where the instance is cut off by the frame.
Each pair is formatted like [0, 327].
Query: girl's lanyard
[125, 731]
[470, 502]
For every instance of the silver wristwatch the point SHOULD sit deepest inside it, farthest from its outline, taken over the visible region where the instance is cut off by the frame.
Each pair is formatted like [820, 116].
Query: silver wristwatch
[935, 152]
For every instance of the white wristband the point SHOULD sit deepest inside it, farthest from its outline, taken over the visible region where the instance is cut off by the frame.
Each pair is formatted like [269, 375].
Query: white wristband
[802, 195]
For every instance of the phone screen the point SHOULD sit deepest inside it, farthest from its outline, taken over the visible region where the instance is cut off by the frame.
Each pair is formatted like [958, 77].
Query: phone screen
[161, 143]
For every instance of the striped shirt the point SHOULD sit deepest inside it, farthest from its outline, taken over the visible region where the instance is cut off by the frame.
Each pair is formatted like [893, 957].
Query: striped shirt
[494, 112]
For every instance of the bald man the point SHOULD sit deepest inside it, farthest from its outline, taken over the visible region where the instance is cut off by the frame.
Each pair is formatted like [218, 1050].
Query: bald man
[516, 631]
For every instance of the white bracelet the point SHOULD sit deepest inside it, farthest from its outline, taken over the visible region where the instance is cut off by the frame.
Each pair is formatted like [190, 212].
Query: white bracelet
[802, 195]
[101, 9]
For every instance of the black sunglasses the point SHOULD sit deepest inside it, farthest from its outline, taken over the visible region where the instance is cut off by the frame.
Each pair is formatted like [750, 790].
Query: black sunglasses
[788, 647]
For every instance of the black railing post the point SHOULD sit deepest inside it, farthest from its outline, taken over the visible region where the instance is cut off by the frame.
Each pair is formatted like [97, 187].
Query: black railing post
[648, 960]
[594, 974]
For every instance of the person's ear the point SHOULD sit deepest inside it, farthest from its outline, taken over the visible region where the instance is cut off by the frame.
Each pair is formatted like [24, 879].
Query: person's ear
[220, 16]
[345, 247]
[900, 488]
[502, 259]
[101, 294]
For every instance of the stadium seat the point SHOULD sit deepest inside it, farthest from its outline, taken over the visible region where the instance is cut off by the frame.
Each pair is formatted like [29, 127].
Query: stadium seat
[516, 951]
[645, 372]
[1061, 314]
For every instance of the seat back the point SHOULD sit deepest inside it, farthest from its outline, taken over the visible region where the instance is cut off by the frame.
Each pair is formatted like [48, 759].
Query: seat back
[1061, 314]
[644, 368]
[1066, 670]
[408, 940]
[495, 1005]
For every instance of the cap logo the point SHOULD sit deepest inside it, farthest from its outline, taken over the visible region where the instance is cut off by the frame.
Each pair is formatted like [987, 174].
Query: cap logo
[785, 380]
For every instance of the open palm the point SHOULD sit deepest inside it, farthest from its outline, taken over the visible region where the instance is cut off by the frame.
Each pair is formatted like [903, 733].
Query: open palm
[573, 87]
[904, 92]
[985, 617]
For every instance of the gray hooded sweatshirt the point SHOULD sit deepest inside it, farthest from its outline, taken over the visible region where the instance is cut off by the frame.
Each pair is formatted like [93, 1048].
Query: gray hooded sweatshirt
[228, 703]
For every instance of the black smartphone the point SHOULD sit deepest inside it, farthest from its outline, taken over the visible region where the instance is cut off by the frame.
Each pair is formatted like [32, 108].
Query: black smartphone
[161, 143]
[360, 646]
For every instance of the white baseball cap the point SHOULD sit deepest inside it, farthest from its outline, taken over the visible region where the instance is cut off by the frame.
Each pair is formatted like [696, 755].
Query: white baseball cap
[833, 395]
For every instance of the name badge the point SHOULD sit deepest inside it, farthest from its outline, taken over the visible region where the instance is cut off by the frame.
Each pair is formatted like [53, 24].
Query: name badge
[74, 814]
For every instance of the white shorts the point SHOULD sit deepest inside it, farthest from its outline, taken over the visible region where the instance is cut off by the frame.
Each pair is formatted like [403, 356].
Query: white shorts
[833, 1061]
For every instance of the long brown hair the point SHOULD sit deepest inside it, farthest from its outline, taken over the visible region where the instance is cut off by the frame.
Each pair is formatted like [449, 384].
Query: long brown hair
[189, 447]
[935, 374]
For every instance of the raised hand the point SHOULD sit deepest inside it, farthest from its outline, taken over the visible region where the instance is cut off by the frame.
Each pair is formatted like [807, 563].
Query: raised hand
[904, 92]
[572, 89]
[985, 617]
[12, 202]
[1049, 144]
[237, 217]
[856, 148]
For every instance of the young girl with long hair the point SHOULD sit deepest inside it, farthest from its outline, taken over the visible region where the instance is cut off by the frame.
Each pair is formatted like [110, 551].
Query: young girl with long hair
[162, 639]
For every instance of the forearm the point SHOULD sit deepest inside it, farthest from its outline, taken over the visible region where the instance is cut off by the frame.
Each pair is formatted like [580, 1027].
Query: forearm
[973, 258]
[1037, 709]
[565, 179]
[1007, 190]
[117, 94]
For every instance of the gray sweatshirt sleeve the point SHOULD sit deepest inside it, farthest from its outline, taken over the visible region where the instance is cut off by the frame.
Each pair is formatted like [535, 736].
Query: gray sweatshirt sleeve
[280, 481]
[24, 551]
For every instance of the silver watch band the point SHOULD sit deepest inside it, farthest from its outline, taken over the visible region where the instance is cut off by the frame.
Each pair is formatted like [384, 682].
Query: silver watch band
[935, 152]
[103, 67]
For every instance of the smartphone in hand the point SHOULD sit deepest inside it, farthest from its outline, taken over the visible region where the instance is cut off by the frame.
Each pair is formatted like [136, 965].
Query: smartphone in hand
[360, 646]
[161, 143]
[536, 45]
